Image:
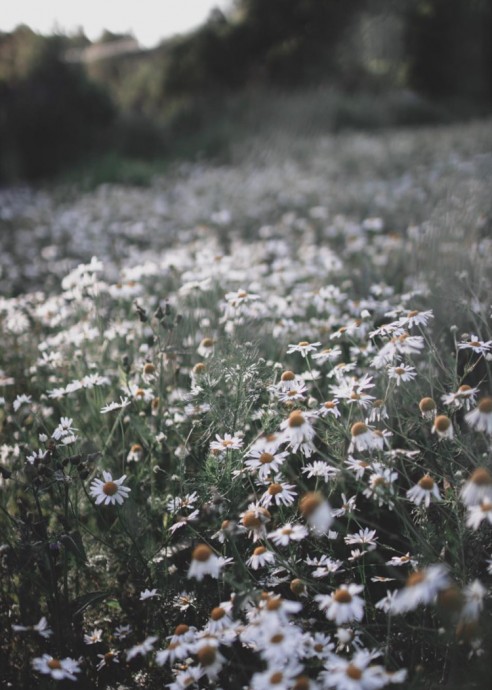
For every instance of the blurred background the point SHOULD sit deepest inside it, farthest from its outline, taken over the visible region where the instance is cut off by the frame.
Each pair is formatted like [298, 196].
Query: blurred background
[106, 108]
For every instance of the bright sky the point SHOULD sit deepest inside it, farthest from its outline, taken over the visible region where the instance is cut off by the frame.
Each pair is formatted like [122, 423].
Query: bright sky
[148, 20]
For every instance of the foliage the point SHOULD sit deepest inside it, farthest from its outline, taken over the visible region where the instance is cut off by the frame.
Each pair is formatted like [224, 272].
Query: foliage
[449, 48]
[51, 113]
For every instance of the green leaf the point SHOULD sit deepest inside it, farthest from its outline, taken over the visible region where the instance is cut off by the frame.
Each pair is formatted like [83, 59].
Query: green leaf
[73, 543]
[80, 604]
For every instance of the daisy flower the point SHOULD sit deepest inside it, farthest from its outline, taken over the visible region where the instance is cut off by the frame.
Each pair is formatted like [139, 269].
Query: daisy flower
[227, 442]
[378, 411]
[480, 347]
[298, 433]
[329, 407]
[365, 537]
[110, 491]
[280, 676]
[357, 673]
[477, 513]
[321, 469]
[324, 566]
[464, 397]
[358, 467]
[423, 491]
[427, 407]
[288, 381]
[282, 536]
[304, 347]
[478, 488]
[124, 402]
[260, 557]
[364, 438]
[402, 560]
[343, 605]
[443, 427]
[148, 594]
[280, 493]
[220, 618]
[42, 628]
[385, 604]
[59, 669]
[317, 511]
[265, 463]
[209, 658]
[107, 659]
[348, 506]
[380, 487]
[143, 648]
[21, 400]
[206, 347]
[240, 297]
[474, 594]
[328, 354]
[421, 587]
[402, 373]
[94, 637]
[415, 318]
[293, 394]
[255, 520]
[481, 417]
[277, 642]
[135, 454]
[204, 562]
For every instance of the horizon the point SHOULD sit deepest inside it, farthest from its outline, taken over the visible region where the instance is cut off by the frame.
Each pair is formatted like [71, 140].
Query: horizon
[143, 21]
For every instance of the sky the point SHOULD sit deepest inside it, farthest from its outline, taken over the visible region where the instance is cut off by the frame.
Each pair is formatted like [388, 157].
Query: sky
[148, 20]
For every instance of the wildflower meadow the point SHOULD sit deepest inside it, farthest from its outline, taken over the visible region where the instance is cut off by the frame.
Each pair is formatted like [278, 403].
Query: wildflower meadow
[246, 421]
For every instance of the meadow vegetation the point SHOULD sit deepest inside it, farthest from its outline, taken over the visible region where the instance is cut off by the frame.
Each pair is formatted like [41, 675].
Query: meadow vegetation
[246, 420]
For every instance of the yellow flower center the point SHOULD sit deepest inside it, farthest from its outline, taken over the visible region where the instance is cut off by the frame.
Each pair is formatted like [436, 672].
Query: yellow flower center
[481, 477]
[442, 423]
[265, 458]
[274, 604]
[426, 483]
[309, 502]
[353, 672]
[342, 596]
[110, 488]
[427, 405]
[201, 553]
[217, 613]
[415, 578]
[297, 586]
[54, 664]
[296, 419]
[358, 429]
[207, 655]
[485, 406]
[181, 629]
